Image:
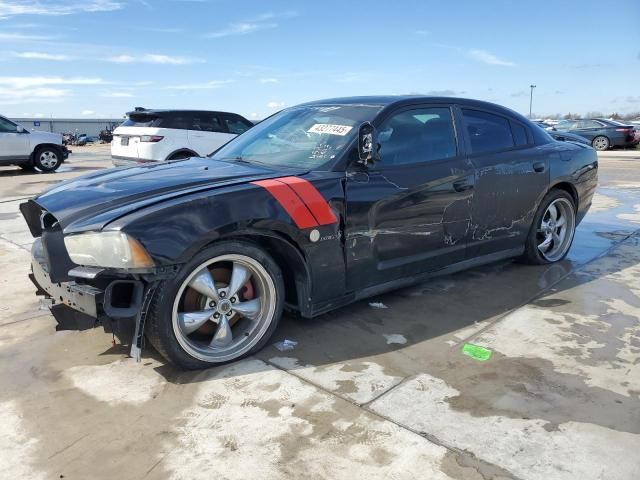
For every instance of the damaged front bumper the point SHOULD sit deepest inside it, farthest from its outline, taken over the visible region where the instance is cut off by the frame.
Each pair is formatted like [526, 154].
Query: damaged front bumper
[92, 297]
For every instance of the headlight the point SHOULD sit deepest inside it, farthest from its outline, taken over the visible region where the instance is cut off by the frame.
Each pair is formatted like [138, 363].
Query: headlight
[107, 249]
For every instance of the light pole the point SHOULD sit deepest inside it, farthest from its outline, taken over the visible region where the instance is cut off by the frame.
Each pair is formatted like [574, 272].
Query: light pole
[531, 101]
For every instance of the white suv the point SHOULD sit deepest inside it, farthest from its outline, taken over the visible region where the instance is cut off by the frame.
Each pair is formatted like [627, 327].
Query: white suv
[29, 149]
[158, 135]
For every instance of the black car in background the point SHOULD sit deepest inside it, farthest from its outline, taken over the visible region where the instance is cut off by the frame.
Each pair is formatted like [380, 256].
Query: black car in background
[318, 206]
[603, 134]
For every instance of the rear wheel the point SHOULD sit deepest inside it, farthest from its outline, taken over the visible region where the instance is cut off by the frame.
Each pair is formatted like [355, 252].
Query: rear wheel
[47, 159]
[553, 229]
[600, 143]
[223, 305]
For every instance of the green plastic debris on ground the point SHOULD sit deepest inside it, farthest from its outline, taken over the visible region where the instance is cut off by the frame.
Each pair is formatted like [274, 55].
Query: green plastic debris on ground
[476, 352]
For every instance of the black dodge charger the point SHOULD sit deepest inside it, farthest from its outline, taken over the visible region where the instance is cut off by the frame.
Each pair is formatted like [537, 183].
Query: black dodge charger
[318, 206]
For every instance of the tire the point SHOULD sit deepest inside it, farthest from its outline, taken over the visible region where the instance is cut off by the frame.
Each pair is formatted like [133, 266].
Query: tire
[548, 240]
[190, 342]
[47, 159]
[601, 143]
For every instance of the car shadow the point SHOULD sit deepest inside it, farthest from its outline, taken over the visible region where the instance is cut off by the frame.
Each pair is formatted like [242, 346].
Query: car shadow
[421, 318]
[64, 168]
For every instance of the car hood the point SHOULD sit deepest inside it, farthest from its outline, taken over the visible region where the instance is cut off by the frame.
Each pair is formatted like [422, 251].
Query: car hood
[92, 201]
[45, 137]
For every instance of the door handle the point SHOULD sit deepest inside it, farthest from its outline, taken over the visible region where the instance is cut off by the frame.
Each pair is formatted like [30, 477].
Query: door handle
[462, 186]
[539, 167]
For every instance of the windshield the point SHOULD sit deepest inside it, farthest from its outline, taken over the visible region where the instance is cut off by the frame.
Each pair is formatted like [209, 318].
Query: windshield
[308, 137]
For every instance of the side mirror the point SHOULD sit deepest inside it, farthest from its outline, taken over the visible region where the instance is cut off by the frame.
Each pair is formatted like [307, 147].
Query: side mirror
[20, 129]
[368, 144]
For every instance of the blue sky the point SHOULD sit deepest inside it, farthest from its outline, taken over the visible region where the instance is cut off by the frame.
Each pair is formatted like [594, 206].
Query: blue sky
[98, 58]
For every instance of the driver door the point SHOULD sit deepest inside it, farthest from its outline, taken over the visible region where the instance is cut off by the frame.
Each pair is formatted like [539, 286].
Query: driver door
[409, 213]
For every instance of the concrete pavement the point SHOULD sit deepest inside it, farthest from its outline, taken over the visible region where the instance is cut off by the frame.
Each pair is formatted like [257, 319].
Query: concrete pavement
[377, 391]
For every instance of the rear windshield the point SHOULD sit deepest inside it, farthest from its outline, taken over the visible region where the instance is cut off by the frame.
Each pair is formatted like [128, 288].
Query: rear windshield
[142, 121]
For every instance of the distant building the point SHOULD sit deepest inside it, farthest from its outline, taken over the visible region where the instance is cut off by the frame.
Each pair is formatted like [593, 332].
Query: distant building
[89, 126]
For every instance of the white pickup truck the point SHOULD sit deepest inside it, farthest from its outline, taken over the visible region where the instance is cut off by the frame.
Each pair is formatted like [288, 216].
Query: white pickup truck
[29, 149]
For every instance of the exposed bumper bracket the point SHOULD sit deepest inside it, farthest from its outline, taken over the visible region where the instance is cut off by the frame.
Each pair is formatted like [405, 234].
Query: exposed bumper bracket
[137, 343]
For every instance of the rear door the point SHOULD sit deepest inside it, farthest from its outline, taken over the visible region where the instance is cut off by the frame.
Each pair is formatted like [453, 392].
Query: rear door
[590, 129]
[410, 212]
[13, 145]
[207, 132]
[511, 174]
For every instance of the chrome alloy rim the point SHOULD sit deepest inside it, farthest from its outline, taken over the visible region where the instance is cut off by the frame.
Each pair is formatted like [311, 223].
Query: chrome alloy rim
[48, 159]
[223, 308]
[600, 143]
[556, 229]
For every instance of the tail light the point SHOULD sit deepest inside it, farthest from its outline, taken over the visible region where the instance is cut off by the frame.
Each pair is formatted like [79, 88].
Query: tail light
[625, 130]
[151, 138]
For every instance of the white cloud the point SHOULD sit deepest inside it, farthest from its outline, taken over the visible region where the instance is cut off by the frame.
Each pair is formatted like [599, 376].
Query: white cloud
[275, 105]
[489, 58]
[117, 95]
[260, 22]
[201, 86]
[153, 58]
[88, 112]
[42, 56]
[241, 29]
[269, 80]
[20, 90]
[30, 82]
[20, 37]
[18, 96]
[56, 7]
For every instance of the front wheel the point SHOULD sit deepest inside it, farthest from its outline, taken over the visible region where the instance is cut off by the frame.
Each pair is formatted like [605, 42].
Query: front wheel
[223, 305]
[47, 159]
[552, 230]
[600, 143]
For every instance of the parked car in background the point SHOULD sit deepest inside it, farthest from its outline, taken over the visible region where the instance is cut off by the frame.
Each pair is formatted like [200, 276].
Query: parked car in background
[28, 149]
[318, 206]
[636, 126]
[603, 134]
[158, 135]
[563, 136]
[84, 139]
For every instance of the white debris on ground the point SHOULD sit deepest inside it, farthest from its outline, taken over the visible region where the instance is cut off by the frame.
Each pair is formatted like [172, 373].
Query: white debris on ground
[286, 345]
[395, 338]
[378, 305]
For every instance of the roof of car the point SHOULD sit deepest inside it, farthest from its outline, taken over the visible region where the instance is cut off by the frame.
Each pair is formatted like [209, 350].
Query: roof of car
[152, 111]
[401, 100]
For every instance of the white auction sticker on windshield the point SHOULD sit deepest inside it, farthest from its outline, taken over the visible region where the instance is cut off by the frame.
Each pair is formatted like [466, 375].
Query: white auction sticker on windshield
[341, 130]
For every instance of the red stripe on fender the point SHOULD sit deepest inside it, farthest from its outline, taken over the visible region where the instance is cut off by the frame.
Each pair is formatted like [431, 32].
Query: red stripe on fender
[291, 203]
[312, 198]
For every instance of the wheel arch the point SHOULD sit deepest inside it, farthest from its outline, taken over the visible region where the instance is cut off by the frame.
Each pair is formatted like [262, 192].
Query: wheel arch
[567, 187]
[290, 259]
[182, 150]
[57, 147]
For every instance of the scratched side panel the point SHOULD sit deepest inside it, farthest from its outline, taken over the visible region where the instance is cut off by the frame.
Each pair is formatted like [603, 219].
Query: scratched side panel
[405, 221]
[506, 196]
